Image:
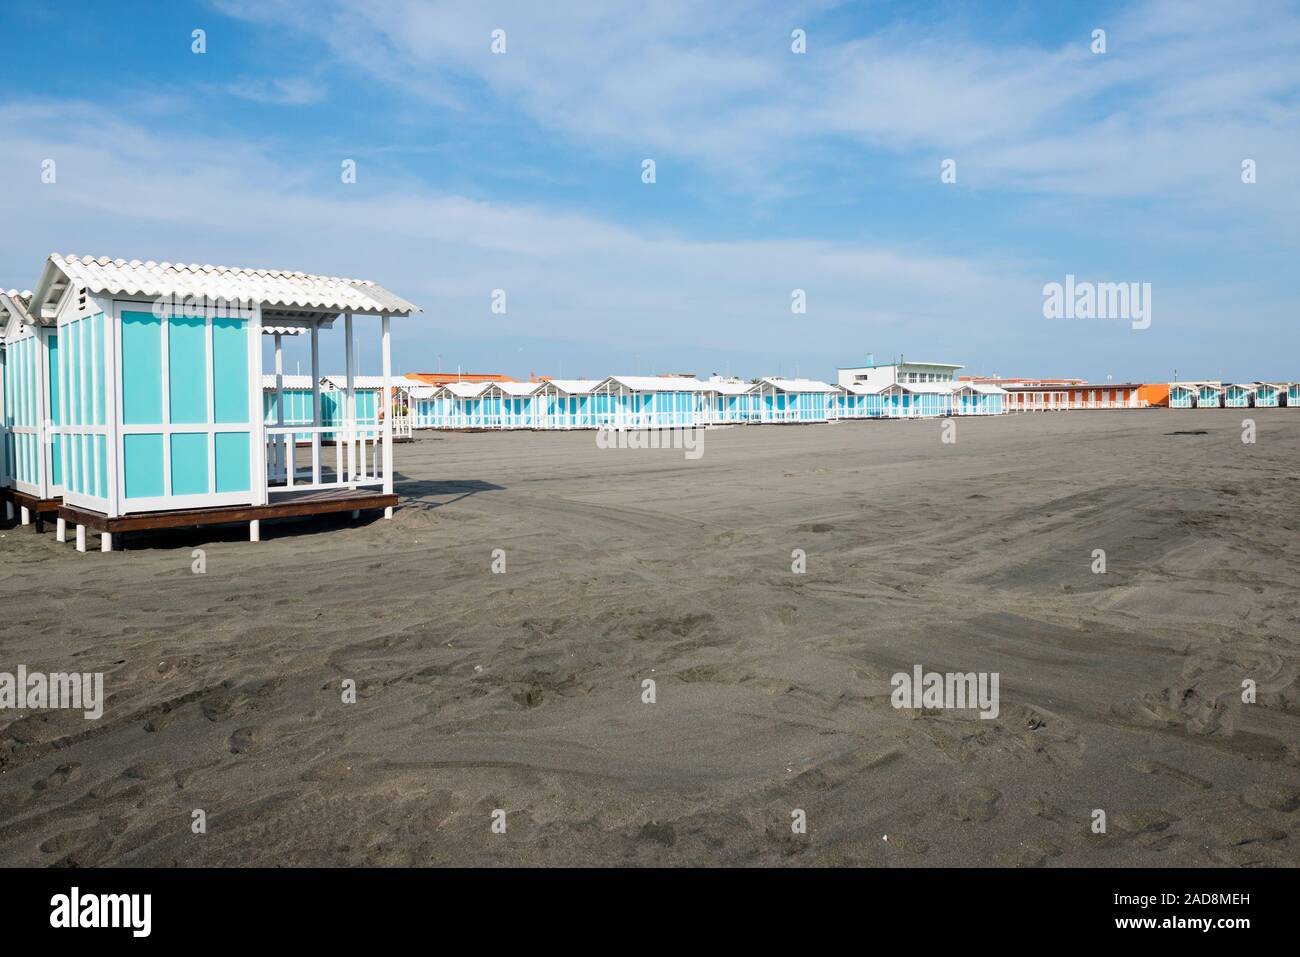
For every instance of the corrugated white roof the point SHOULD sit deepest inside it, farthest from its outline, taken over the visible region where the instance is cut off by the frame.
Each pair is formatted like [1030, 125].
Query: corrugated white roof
[466, 390]
[657, 383]
[269, 287]
[984, 388]
[573, 386]
[729, 388]
[14, 303]
[799, 385]
[516, 388]
[340, 382]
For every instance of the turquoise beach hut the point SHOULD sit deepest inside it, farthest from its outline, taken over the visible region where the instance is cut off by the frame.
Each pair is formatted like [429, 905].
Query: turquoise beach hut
[1238, 396]
[160, 374]
[794, 401]
[31, 460]
[649, 402]
[1268, 395]
[1182, 395]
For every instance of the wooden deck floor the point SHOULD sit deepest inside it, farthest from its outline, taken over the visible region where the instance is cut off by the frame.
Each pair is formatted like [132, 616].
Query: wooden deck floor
[282, 505]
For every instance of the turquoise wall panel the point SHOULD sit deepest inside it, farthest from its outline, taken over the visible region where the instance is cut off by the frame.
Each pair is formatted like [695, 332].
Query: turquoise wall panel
[230, 370]
[189, 463]
[141, 370]
[187, 370]
[142, 465]
[56, 408]
[101, 484]
[232, 461]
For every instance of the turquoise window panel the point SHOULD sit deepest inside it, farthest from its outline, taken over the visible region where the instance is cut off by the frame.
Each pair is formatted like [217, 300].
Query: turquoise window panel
[230, 370]
[101, 449]
[189, 463]
[56, 406]
[187, 370]
[232, 461]
[142, 371]
[142, 465]
[98, 326]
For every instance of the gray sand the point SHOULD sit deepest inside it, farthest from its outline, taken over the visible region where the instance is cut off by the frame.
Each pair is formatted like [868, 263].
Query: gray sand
[522, 691]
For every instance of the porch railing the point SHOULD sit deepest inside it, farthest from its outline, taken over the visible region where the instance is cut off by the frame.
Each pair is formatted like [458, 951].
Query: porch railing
[350, 458]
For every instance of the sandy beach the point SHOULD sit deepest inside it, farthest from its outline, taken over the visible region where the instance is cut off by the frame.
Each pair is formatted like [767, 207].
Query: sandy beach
[522, 691]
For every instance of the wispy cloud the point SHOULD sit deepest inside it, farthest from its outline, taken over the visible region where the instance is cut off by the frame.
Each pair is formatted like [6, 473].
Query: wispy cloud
[279, 91]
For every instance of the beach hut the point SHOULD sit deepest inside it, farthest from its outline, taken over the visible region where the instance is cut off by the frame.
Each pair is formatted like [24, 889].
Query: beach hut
[1238, 395]
[425, 413]
[1209, 395]
[1268, 395]
[514, 404]
[31, 460]
[649, 402]
[464, 404]
[978, 398]
[793, 400]
[730, 402]
[857, 401]
[1293, 395]
[916, 400]
[1182, 395]
[160, 378]
[567, 404]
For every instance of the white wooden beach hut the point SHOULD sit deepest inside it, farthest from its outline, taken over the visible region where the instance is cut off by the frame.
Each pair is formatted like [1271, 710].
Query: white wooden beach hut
[978, 398]
[730, 402]
[515, 404]
[1209, 395]
[31, 461]
[855, 400]
[425, 414]
[566, 404]
[1268, 395]
[793, 400]
[1182, 395]
[160, 379]
[649, 402]
[465, 407]
[1239, 395]
[914, 400]
[1293, 395]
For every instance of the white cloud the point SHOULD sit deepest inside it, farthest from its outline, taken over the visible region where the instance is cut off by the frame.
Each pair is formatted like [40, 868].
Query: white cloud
[279, 91]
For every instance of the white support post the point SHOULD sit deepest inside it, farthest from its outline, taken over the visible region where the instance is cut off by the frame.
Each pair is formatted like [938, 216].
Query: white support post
[106, 541]
[349, 400]
[61, 529]
[386, 350]
[281, 447]
[26, 515]
[315, 403]
[255, 530]
[81, 538]
[9, 511]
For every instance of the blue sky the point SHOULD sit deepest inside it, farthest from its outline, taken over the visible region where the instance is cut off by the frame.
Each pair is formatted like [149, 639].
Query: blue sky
[775, 171]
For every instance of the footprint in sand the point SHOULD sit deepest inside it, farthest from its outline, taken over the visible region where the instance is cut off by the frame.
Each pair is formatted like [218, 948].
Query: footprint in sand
[1272, 797]
[63, 774]
[976, 804]
[243, 740]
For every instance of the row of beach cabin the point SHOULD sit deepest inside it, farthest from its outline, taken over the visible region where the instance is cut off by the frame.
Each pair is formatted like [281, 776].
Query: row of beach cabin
[667, 402]
[1233, 395]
